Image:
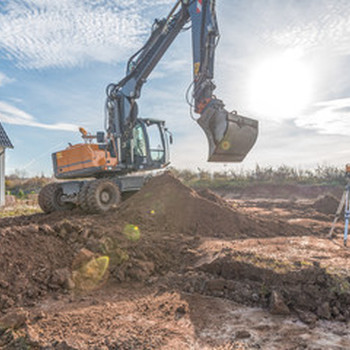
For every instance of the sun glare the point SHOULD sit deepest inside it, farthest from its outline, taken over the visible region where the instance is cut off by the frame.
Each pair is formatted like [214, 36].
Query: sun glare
[281, 86]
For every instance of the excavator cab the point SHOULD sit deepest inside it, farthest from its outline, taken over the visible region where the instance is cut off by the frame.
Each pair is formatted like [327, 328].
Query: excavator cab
[149, 146]
[147, 149]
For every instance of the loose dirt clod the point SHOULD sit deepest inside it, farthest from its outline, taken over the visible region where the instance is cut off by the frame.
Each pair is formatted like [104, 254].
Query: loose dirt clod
[277, 304]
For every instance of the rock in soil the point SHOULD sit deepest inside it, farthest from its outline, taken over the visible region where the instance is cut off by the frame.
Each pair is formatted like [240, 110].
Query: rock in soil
[307, 317]
[324, 311]
[243, 334]
[277, 305]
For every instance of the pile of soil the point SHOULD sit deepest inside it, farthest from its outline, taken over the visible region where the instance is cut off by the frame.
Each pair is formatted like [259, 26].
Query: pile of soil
[166, 204]
[327, 204]
[39, 260]
[166, 237]
[145, 236]
[29, 259]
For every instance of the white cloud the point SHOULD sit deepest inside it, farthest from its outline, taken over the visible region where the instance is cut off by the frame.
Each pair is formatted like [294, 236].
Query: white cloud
[329, 117]
[43, 33]
[321, 25]
[320, 29]
[12, 115]
[4, 79]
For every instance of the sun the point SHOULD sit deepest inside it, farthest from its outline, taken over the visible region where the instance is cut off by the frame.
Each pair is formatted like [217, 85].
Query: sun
[281, 86]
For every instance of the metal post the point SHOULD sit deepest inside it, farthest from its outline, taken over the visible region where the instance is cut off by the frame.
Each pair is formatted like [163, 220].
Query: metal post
[344, 203]
[2, 177]
[347, 214]
[338, 213]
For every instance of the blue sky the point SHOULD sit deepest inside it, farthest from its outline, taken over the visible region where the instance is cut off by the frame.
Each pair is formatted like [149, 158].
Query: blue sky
[284, 63]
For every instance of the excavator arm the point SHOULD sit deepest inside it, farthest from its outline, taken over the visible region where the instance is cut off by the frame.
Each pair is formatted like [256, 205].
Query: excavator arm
[131, 143]
[230, 136]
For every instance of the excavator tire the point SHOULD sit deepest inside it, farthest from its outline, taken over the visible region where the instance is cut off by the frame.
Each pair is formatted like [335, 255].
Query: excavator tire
[102, 195]
[44, 198]
[83, 203]
[50, 199]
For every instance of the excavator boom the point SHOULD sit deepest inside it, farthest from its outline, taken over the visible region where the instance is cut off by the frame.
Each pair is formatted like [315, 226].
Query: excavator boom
[133, 144]
[230, 136]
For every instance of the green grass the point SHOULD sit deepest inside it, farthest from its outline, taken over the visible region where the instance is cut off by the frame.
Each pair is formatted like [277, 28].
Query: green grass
[19, 210]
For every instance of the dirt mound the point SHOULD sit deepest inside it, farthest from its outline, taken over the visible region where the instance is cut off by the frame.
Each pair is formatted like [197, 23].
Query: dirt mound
[164, 203]
[39, 260]
[327, 204]
[149, 234]
[30, 259]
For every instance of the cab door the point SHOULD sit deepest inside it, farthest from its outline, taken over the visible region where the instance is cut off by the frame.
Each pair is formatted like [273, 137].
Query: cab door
[139, 149]
[157, 143]
[149, 144]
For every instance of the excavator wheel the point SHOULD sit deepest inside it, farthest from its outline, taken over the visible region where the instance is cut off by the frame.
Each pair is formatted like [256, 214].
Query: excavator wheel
[44, 198]
[50, 199]
[83, 203]
[102, 195]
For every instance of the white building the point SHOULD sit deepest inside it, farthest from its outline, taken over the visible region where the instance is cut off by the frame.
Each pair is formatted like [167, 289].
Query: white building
[4, 143]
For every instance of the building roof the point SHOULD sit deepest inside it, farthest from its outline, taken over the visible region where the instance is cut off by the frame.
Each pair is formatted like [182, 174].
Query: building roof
[4, 139]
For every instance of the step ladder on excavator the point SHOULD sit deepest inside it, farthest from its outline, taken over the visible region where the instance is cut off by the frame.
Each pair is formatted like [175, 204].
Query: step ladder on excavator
[344, 204]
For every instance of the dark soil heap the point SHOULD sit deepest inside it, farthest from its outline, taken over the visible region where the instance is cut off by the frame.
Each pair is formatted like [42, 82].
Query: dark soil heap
[164, 203]
[37, 252]
[32, 258]
[326, 204]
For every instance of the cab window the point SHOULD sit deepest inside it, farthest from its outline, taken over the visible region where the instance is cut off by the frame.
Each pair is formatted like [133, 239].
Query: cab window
[156, 142]
[139, 141]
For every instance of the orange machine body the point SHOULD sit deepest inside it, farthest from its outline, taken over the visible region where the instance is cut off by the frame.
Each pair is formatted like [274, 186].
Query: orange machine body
[81, 160]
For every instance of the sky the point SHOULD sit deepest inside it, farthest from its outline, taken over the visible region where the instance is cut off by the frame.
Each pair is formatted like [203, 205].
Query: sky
[284, 63]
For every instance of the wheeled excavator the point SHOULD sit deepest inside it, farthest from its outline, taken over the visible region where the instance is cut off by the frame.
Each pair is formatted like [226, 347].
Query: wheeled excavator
[99, 168]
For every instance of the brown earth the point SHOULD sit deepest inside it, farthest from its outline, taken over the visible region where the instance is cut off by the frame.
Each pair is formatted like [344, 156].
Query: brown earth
[166, 204]
[327, 204]
[187, 270]
[280, 191]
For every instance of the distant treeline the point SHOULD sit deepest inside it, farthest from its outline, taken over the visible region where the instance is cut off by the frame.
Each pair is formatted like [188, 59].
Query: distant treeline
[322, 175]
[22, 186]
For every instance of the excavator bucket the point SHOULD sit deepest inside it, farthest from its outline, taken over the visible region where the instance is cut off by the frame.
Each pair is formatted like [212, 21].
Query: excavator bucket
[230, 136]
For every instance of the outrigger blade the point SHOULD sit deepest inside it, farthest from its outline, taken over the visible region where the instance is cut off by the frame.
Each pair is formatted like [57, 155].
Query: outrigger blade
[230, 136]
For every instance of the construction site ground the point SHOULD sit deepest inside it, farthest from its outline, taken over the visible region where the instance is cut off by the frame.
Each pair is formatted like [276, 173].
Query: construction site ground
[174, 268]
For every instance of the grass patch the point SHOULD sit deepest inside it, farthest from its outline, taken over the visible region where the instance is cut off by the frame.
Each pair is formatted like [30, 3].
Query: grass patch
[19, 210]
